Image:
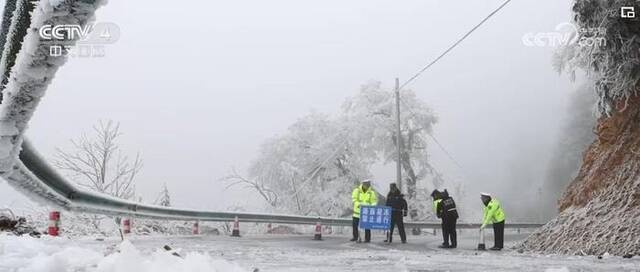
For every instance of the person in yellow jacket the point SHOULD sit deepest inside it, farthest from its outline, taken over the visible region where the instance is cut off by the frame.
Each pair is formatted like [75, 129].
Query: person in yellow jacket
[436, 196]
[493, 214]
[363, 195]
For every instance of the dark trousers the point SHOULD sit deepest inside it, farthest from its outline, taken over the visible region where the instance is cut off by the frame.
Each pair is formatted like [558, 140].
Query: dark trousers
[449, 231]
[356, 233]
[397, 220]
[498, 234]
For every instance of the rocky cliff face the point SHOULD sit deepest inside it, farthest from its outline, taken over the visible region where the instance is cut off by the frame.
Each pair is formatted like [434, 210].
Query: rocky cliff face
[600, 210]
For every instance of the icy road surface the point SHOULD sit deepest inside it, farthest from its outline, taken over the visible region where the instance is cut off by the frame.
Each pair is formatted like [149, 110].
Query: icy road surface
[290, 253]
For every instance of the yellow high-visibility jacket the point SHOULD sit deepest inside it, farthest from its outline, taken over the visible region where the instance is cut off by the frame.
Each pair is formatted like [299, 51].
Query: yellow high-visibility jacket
[435, 206]
[493, 213]
[360, 197]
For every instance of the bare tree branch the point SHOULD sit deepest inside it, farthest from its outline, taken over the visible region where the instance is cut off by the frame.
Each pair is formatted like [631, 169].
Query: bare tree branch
[99, 164]
[234, 179]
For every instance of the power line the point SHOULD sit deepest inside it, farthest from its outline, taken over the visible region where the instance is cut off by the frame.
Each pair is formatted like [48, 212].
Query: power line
[446, 152]
[434, 62]
[311, 175]
[454, 45]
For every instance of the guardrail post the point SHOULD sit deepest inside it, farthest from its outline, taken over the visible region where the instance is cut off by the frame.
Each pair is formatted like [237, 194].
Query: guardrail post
[318, 233]
[196, 228]
[269, 229]
[434, 232]
[236, 228]
[126, 226]
[54, 223]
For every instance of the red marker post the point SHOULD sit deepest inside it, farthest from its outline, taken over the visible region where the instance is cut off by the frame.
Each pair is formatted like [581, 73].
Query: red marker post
[318, 233]
[126, 226]
[196, 228]
[236, 228]
[54, 223]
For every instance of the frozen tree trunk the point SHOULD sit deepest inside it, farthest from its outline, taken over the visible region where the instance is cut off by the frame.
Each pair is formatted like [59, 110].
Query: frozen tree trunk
[411, 178]
[7, 15]
[600, 211]
[33, 71]
[15, 22]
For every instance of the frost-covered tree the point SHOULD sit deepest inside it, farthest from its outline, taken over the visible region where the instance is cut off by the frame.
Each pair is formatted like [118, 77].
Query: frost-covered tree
[612, 64]
[97, 163]
[308, 166]
[314, 166]
[372, 121]
[164, 198]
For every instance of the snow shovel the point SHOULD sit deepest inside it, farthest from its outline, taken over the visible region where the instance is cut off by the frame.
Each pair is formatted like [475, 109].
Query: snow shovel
[481, 245]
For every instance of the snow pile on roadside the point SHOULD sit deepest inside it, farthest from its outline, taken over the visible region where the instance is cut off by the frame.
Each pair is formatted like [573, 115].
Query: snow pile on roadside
[25, 254]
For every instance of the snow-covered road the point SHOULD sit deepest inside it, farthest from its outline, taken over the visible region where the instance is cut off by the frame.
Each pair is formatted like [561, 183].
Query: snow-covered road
[295, 253]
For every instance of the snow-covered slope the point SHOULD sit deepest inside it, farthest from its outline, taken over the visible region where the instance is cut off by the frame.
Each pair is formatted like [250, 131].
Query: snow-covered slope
[601, 207]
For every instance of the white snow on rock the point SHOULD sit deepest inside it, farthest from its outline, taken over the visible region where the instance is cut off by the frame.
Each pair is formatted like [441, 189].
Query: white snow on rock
[26, 254]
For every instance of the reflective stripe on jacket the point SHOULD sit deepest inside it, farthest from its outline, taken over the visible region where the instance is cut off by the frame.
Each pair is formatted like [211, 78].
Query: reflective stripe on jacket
[360, 197]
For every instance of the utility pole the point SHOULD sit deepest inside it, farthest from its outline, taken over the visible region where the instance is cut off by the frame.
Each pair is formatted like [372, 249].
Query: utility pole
[398, 136]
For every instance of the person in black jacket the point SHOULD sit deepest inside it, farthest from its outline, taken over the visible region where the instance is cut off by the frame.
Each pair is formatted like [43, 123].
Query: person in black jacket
[398, 205]
[446, 209]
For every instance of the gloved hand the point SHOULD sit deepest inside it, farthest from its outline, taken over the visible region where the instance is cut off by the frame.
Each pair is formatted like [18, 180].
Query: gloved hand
[404, 213]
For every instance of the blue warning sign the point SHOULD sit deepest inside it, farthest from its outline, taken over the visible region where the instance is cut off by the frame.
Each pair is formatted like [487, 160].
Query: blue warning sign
[375, 217]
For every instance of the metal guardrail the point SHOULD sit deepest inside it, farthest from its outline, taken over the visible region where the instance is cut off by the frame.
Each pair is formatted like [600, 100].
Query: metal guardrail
[81, 200]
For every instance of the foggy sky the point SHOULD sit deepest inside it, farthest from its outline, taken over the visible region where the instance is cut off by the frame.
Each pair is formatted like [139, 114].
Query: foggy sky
[198, 85]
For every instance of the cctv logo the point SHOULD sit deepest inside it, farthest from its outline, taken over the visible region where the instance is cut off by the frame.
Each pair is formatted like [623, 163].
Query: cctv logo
[64, 32]
[627, 12]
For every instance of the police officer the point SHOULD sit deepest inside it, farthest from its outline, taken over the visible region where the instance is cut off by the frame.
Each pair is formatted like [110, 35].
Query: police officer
[437, 198]
[362, 195]
[446, 209]
[493, 214]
